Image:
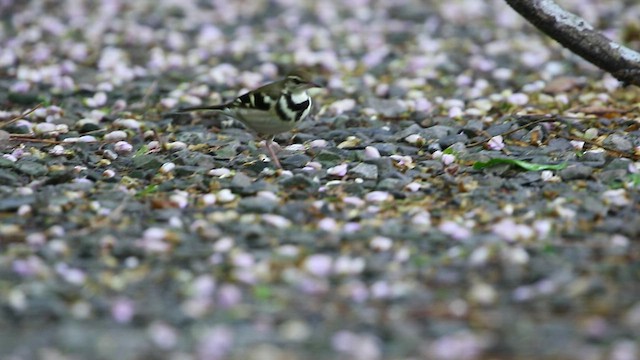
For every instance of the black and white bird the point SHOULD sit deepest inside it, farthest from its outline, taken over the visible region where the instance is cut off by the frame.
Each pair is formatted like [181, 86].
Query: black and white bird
[271, 109]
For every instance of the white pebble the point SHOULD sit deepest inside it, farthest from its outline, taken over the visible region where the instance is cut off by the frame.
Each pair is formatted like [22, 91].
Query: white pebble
[318, 143]
[167, 167]
[341, 106]
[277, 221]
[87, 138]
[153, 145]
[122, 147]
[108, 174]
[180, 199]
[577, 145]
[176, 145]
[413, 139]
[208, 199]
[24, 210]
[219, 172]
[518, 99]
[268, 195]
[371, 152]
[44, 128]
[225, 196]
[127, 123]
[168, 103]
[115, 136]
[57, 150]
[338, 170]
[378, 196]
[314, 165]
[483, 293]
[381, 243]
[295, 147]
[448, 159]
[413, 186]
[110, 155]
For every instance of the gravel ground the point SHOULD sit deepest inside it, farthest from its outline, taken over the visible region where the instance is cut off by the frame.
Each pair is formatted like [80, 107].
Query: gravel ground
[465, 190]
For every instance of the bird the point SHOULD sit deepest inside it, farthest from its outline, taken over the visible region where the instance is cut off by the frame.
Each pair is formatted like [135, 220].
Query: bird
[271, 109]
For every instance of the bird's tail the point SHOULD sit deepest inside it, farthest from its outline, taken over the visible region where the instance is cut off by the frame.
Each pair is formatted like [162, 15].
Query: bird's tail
[199, 108]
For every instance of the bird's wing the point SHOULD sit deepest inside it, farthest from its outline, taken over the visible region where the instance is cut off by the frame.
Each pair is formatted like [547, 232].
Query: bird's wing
[260, 99]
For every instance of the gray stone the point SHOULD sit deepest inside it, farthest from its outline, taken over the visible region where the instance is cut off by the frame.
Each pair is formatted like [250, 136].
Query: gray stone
[146, 162]
[328, 157]
[557, 145]
[386, 149]
[413, 129]
[387, 107]
[447, 141]
[392, 184]
[575, 172]
[594, 158]
[365, 171]
[611, 176]
[295, 160]
[31, 168]
[257, 204]
[618, 142]
[299, 182]
[13, 203]
[240, 181]
[6, 163]
[618, 163]
[498, 129]
[437, 132]
[8, 177]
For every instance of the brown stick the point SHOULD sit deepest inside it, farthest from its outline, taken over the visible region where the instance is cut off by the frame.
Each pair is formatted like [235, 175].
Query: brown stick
[8, 122]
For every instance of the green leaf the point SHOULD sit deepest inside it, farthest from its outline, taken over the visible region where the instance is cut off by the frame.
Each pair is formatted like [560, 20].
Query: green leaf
[635, 180]
[449, 150]
[143, 150]
[150, 189]
[519, 163]
[262, 292]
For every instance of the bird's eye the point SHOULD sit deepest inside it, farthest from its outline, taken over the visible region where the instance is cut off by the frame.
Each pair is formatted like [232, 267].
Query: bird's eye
[296, 81]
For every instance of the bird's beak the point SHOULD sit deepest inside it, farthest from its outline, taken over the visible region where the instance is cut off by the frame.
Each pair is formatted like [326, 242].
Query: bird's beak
[310, 85]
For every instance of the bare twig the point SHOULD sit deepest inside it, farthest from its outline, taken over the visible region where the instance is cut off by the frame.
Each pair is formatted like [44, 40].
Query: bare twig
[21, 116]
[507, 133]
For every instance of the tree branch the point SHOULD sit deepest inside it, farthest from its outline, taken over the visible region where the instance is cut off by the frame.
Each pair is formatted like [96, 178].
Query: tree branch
[574, 33]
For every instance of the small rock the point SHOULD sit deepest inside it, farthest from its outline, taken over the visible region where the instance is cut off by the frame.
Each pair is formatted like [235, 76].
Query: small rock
[392, 184]
[8, 177]
[298, 182]
[365, 171]
[240, 181]
[31, 168]
[413, 129]
[146, 162]
[328, 157]
[618, 142]
[447, 141]
[295, 160]
[13, 203]
[386, 149]
[437, 132]
[611, 176]
[575, 172]
[594, 158]
[257, 204]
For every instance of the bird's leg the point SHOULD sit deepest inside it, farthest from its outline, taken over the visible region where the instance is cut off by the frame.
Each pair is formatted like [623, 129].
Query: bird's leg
[272, 153]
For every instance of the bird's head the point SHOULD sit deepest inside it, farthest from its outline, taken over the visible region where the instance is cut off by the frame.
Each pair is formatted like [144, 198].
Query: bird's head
[298, 81]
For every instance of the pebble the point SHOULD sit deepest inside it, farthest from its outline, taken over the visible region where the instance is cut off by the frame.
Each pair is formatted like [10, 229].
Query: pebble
[618, 142]
[365, 171]
[575, 172]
